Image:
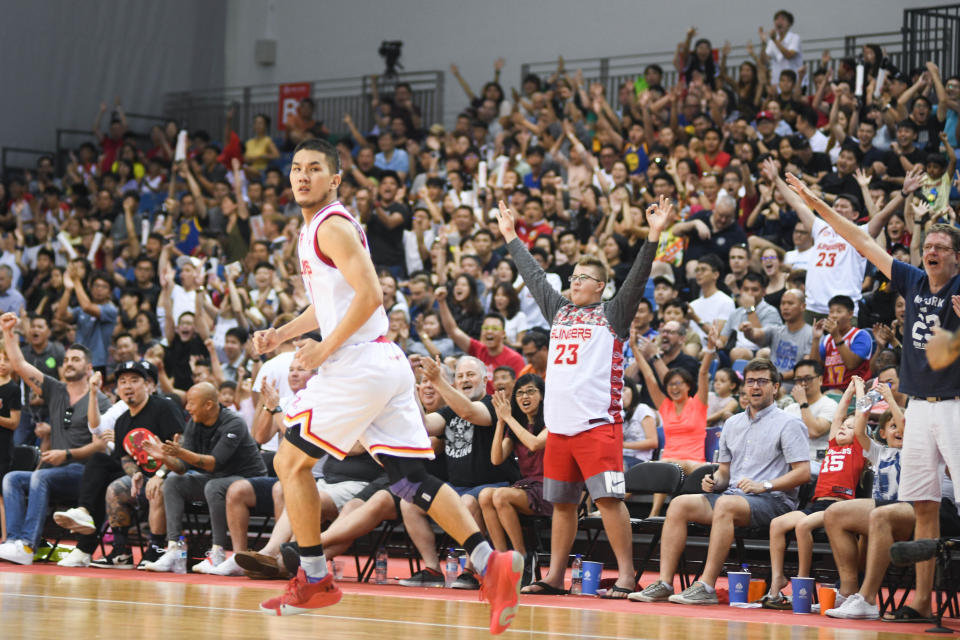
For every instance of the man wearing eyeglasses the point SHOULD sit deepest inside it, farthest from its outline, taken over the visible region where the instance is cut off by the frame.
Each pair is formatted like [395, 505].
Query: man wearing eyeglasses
[813, 407]
[931, 296]
[582, 404]
[67, 443]
[763, 460]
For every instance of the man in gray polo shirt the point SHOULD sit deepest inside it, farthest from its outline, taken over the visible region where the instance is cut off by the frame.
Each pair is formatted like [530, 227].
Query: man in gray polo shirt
[70, 444]
[763, 461]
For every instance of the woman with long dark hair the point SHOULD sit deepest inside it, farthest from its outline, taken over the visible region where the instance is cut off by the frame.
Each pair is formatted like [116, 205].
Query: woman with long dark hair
[506, 302]
[519, 430]
[465, 305]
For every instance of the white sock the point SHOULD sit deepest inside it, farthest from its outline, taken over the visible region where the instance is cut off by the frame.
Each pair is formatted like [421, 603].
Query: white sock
[480, 555]
[315, 567]
[707, 587]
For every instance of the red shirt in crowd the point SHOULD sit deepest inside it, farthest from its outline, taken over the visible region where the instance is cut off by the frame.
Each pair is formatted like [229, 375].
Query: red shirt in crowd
[840, 471]
[507, 357]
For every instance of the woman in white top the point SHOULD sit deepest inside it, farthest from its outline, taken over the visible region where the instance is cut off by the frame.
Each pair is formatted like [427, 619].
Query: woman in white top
[639, 427]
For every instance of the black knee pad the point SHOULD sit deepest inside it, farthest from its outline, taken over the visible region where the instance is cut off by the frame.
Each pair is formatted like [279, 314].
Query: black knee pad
[410, 481]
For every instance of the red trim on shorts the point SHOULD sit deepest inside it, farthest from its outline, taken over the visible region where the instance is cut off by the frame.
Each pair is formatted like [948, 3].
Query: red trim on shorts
[381, 339]
[316, 245]
[309, 436]
[410, 451]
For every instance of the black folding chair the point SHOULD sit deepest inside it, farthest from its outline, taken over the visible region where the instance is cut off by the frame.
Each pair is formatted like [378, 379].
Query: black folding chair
[649, 478]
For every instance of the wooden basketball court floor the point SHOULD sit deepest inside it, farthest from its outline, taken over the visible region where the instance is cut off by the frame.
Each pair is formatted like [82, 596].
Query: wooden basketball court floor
[40, 603]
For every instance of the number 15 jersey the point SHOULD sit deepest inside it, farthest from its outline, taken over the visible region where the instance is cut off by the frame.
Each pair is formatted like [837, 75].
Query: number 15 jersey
[835, 268]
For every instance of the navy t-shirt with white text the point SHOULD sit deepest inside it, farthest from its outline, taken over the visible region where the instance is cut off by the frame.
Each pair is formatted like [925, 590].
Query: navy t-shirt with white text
[925, 310]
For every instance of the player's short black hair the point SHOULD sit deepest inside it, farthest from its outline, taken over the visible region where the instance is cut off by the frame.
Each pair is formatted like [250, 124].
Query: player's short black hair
[844, 301]
[324, 147]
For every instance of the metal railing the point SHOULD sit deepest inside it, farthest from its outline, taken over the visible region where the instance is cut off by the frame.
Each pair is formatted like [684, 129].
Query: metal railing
[68, 139]
[333, 98]
[932, 33]
[612, 71]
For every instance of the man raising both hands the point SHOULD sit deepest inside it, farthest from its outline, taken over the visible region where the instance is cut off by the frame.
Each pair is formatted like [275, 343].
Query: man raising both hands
[582, 407]
[934, 409]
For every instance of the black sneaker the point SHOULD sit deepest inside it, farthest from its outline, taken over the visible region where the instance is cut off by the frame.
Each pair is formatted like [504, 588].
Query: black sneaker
[116, 559]
[466, 580]
[152, 554]
[529, 569]
[290, 554]
[426, 577]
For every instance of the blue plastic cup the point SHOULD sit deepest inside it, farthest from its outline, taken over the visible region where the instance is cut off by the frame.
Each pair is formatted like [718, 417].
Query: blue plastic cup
[803, 590]
[739, 583]
[591, 577]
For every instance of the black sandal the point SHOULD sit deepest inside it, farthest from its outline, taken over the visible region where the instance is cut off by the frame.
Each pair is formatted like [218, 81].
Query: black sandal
[908, 614]
[616, 593]
[544, 589]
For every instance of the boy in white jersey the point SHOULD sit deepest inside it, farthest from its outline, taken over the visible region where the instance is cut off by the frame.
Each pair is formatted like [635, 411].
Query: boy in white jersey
[361, 396]
[582, 407]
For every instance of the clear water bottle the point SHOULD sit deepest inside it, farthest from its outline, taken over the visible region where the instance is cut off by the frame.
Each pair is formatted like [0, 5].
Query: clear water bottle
[451, 568]
[180, 566]
[380, 567]
[871, 398]
[576, 575]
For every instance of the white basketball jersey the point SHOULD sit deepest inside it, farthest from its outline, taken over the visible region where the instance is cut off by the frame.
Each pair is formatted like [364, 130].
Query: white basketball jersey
[585, 370]
[325, 285]
[835, 268]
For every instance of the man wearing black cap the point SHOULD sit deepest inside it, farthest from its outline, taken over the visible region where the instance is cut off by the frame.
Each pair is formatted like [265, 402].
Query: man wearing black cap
[115, 478]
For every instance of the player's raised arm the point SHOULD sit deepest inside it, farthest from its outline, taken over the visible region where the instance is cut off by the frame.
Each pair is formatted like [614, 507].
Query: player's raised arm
[850, 232]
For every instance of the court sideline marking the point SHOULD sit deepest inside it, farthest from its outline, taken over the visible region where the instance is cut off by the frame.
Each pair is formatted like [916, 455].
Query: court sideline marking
[314, 615]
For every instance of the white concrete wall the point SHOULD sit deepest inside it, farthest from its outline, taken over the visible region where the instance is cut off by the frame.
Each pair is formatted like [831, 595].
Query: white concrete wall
[61, 58]
[326, 39]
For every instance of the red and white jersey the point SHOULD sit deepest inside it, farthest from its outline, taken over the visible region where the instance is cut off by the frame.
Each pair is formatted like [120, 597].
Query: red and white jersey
[585, 369]
[836, 375]
[835, 268]
[325, 285]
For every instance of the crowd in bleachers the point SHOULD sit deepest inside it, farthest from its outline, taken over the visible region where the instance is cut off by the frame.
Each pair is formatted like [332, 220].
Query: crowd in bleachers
[132, 282]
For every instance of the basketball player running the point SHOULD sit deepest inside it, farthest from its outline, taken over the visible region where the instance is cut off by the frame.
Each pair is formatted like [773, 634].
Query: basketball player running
[582, 408]
[932, 435]
[363, 392]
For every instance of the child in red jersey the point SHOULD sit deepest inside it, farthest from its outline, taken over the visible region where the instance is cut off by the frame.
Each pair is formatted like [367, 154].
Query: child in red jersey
[838, 480]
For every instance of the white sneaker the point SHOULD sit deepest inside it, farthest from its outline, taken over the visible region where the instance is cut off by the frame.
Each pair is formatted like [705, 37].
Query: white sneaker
[228, 567]
[840, 599]
[215, 557]
[855, 608]
[75, 558]
[77, 520]
[164, 563]
[16, 552]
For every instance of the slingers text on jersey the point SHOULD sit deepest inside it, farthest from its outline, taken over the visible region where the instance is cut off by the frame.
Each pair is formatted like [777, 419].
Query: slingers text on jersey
[329, 291]
[585, 369]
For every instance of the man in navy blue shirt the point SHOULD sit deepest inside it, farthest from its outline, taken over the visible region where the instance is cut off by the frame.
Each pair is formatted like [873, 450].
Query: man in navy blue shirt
[934, 409]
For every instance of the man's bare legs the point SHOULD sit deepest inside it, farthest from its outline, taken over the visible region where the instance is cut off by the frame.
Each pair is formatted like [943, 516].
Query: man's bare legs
[927, 526]
[358, 518]
[421, 533]
[294, 468]
[563, 531]
[616, 524]
[728, 512]
[682, 509]
[844, 521]
[888, 524]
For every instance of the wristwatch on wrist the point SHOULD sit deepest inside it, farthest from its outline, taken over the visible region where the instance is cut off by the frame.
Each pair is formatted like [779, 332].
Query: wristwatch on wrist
[838, 343]
[751, 309]
[804, 405]
[768, 486]
[68, 454]
[277, 409]
[161, 473]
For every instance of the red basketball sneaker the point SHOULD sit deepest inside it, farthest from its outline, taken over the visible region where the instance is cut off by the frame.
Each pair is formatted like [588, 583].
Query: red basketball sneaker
[301, 596]
[501, 588]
